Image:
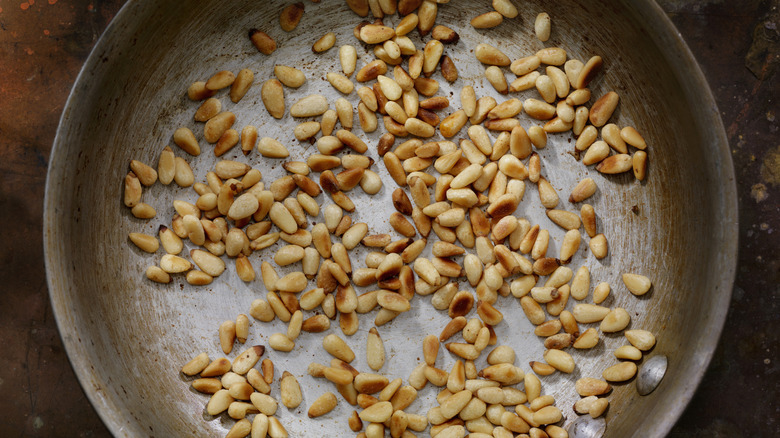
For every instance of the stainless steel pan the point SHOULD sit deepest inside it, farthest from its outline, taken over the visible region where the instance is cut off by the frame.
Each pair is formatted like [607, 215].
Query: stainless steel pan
[128, 337]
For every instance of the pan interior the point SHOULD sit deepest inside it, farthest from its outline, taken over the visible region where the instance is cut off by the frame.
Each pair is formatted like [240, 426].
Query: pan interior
[127, 337]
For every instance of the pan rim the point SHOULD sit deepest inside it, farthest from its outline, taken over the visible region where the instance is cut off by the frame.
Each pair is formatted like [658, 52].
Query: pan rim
[107, 408]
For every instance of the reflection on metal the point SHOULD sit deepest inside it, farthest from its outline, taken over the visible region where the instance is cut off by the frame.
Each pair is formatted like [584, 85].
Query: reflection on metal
[651, 374]
[586, 426]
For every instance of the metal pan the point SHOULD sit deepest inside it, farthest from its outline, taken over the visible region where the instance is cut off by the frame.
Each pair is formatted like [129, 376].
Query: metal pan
[127, 337]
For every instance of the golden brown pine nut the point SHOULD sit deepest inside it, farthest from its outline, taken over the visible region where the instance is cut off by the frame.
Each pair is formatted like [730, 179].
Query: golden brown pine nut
[603, 108]
[262, 41]
[487, 20]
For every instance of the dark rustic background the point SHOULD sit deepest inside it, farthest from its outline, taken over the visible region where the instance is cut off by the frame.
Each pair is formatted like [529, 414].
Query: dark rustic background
[43, 44]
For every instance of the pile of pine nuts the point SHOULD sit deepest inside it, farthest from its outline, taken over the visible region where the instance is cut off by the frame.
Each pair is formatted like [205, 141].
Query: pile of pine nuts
[479, 186]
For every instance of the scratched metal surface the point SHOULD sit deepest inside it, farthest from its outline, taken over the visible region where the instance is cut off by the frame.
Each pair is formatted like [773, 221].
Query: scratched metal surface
[127, 337]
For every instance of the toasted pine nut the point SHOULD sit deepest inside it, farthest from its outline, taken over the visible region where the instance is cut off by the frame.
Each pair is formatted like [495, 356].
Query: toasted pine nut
[542, 26]
[615, 164]
[588, 72]
[490, 55]
[603, 108]
[371, 71]
[292, 282]
[264, 43]
[375, 33]
[324, 43]
[185, 139]
[637, 284]
[497, 79]
[241, 85]
[198, 91]
[552, 56]
[616, 320]
[272, 94]
[641, 339]
[487, 20]
[406, 24]
[217, 125]
[280, 342]
[290, 391]
[598, 246]
[309, 106]
[628, 352]
[338, 348]
[588, 313]
[538, 109]
[324, 404]
[639, 164]
[620, 372]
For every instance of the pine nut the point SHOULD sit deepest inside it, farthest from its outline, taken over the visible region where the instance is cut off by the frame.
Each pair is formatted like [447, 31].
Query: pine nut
[290, 391]
[198, 91]
[639, 164]
[497, 79]
[630, 135]
[276, 429]
[338, 348]
[266, 404]
[603, 108]
[322, 405]
[264, 43]
[185, 139]
[375, 34]
[371, 70]
[560, 360]
[641, 339]
[407, 24]
[292, 282]
[616, 320]
[261, 310]
[309, 106]
[316, 323]
[628, 352]
[490, 55]
[588, 72]
[280, 342]
[538, 109]
[620, 372]
[542, 26]
[598, 246]
[588, 339]
[375, 350]
[552, 56]
[487, 20]
[324, 43]
[219, 402]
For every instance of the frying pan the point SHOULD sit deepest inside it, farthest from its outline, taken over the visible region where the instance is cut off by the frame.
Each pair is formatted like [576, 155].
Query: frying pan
[127, 337]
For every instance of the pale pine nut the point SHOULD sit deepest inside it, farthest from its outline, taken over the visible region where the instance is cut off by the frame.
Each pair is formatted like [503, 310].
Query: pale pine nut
[616, 320]
[290, 391]
[641, 339]
[598, 246]
[542, 26]
[560, 360]
[620, 372]
[309, 106]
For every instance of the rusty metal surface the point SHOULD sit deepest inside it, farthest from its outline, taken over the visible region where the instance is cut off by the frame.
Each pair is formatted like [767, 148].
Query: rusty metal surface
[35, 84]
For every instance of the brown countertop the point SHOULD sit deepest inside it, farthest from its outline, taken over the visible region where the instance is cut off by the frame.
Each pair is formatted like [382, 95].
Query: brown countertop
[43, 44]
